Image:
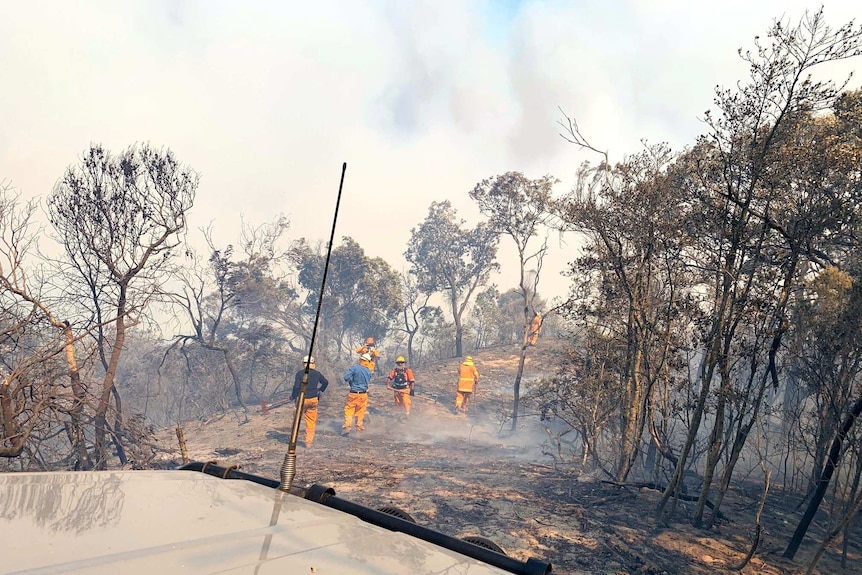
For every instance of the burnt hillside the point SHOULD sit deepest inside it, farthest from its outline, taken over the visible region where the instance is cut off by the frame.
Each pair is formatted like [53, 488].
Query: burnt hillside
[468, 475]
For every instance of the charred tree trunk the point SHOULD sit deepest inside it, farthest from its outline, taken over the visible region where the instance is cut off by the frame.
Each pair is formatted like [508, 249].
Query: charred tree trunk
[676, 481]
[629, 410]
[713, 455]
[852, 509]
[516, 388]
[79, 444]
[237, 385]
[235, 380]
[742, 434]
[101, 415]
[117, 436]
[410, 336]
[744, 428]
[516, 401]
[823, 483]
[854, 496]
[459, 332]
[638, 400]
[715, 448]
[14, 436]
[77, 437]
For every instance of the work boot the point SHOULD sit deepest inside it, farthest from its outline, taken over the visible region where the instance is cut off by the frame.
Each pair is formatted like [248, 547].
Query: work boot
[360, 427]
[345, 431]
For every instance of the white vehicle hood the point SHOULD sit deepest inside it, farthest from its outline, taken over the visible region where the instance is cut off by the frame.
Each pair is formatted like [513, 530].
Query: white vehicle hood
[160, 522]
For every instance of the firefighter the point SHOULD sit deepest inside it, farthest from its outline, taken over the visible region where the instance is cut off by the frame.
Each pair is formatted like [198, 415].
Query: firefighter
[468, 384]
[367, 363]
[371, 349]
[316, 385]
[358, 378]
[535, 328]
[402, 383]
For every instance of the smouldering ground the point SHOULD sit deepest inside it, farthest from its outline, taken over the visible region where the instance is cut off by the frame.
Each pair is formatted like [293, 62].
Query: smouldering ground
[460, 475]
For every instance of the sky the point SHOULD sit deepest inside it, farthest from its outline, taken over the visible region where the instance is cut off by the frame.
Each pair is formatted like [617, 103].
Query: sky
[424, 99]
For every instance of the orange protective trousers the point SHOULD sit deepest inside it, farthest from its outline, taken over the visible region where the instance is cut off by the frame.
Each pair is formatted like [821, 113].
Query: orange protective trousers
[309, 413]
[357, 404]
[402, 397]
[535, 328]
[462, 398]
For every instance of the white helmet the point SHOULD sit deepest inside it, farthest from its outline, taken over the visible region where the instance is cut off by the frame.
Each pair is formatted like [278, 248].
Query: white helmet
[308, 359]
[365, 356]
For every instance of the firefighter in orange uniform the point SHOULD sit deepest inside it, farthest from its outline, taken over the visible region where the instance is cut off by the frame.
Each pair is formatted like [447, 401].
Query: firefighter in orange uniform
[366, 361]
[402, 383]
[535, 328]
[371, 350]
[316, 385]
[468, 384]
[358, 378]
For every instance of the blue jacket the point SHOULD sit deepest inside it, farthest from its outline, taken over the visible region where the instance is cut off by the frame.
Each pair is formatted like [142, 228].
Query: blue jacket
[358, 377]
[316, 384]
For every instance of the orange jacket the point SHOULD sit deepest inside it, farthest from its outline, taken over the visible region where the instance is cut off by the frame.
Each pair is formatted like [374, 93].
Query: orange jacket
[536, 325]
[468, 377]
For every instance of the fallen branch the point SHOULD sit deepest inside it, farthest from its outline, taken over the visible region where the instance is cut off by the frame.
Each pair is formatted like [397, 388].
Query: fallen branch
[757, 527]
[617, 497]
[267, 406]
[659, 487]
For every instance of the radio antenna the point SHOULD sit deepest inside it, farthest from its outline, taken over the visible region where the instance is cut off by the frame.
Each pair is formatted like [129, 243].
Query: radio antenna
[288, 467]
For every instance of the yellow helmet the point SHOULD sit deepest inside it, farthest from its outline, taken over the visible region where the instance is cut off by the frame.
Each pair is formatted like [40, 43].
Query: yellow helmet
[400, 359]
[468, 358]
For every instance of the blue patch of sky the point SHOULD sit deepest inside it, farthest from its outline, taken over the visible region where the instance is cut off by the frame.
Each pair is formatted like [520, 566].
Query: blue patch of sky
[499, 17]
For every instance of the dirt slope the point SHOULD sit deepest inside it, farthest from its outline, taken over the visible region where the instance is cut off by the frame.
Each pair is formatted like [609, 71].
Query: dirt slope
[467, 475]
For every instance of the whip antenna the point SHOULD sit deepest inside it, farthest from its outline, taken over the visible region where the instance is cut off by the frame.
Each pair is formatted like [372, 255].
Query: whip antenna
[288, 467]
